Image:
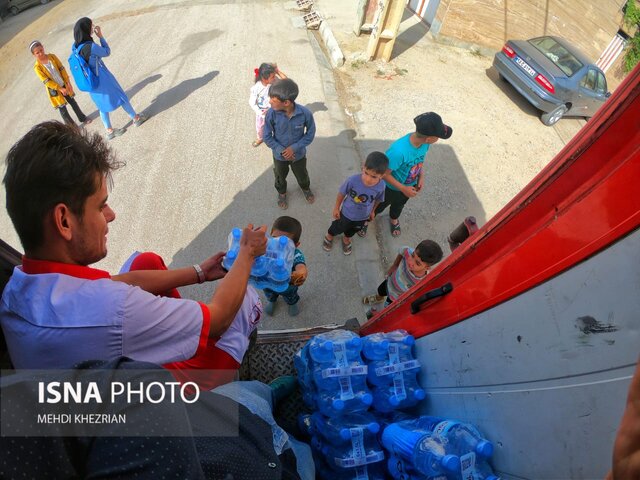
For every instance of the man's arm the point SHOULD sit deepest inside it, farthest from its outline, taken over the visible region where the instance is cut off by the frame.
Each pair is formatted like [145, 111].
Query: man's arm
[159, 281]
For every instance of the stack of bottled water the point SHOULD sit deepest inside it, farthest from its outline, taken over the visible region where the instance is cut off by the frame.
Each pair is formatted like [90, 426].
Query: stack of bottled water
[271, 270]
[436, 448]
[343, 436]
[393, 370]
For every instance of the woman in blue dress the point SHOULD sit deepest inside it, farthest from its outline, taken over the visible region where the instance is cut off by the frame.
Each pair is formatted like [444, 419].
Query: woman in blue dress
[108, 95]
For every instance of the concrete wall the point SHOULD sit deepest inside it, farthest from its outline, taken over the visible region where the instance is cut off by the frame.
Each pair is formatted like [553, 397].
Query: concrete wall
[590, 25]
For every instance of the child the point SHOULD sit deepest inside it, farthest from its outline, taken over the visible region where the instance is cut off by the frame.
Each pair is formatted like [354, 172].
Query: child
[50, 71]
[357, 199]
[405, 178]
[259, 97]
[289, 128]
[409, 267]
[288, 227]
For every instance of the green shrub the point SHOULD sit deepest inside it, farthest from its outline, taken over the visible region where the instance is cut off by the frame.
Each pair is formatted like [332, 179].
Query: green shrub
[632, 17]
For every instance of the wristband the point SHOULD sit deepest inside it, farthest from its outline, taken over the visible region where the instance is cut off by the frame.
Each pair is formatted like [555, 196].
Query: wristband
[200, 273]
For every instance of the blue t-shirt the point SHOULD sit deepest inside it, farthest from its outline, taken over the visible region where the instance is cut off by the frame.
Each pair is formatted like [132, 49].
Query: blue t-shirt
[406, 161]
[359, 199]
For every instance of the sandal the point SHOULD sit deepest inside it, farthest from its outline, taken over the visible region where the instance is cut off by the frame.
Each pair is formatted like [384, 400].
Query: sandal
[116, 132]
[373, 299]
[282, 201]
[395, 229]
[309, 196]
[141, 119]
[346, 248]
[363, 231]
[327, 244]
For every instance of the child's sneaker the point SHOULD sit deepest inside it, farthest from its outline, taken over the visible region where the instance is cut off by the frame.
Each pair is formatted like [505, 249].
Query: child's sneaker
[269, 308]
[294, 310]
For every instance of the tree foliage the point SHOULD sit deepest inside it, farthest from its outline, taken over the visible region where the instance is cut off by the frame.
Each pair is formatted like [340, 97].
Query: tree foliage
[632, 17]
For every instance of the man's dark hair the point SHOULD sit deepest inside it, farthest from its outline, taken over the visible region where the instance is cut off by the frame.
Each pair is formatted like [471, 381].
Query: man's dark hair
[284, 89]
[289, 225]
[429, 252]
[377, 161]
[53, 163]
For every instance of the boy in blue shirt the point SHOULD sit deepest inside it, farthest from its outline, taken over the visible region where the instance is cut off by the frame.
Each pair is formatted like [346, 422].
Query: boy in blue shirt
[405, 177]
[357, 199]
[288, 129]
[288, 227]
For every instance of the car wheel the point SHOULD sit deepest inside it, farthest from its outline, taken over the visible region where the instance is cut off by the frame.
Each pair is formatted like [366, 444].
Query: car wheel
[552, 117]
[14, 11]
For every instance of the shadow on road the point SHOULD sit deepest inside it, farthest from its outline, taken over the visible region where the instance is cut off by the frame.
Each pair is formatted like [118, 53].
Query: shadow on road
[176, 94]
[409, 37]
[317, 107]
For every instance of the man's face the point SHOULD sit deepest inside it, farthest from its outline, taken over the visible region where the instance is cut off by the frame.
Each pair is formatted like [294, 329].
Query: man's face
[89, 241]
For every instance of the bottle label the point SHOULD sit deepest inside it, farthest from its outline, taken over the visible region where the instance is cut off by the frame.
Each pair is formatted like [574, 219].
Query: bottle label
[340, 354]
[346, 392]
[352, 462]
[443, 427]
[394, 353]
[398, 387]
[398, 367]
[468, 466]
[361, 473]
[344, 371]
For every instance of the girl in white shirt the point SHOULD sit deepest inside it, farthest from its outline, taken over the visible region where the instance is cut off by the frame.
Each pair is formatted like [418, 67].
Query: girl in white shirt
[259, 97]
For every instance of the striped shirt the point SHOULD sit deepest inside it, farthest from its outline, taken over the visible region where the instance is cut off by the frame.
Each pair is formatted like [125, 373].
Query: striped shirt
[402, 279]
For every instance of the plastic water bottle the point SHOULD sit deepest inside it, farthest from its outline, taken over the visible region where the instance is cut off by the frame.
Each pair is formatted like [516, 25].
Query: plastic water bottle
[340, 430]
[279, 255]
[461, 437]
[401, 470]
[337, 347]
[382, 372]
[360, 451]
[376, 345]
[423, 451]
[233, 247]
[404, 393]
[330, 403]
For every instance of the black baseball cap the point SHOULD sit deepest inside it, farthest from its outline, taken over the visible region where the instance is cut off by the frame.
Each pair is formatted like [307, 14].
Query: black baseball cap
[430, 124]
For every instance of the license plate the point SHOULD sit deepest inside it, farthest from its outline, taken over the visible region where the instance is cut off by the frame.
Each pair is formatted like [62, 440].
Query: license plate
[525, 66]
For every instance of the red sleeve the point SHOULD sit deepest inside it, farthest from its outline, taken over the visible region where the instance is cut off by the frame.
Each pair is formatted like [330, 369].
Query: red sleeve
[204, 333]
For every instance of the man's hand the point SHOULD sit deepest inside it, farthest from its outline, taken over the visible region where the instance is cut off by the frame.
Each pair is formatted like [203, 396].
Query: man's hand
[212, 267]
[64, 91]
[372, 215]
[254, 240]
[97, 30]
[336, 213]
[409, 191]
[420, 183]
[288, 154]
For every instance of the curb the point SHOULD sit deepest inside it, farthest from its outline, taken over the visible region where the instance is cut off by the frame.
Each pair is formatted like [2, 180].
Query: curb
[335, 53]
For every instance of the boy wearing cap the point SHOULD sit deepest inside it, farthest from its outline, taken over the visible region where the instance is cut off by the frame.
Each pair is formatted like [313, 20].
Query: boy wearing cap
[405, 177]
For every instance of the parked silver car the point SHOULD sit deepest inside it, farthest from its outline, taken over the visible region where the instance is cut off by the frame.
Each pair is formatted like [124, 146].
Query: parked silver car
[553, 76]
[16, 6]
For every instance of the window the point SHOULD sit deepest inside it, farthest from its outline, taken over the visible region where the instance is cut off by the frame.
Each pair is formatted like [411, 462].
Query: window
[589, 80]
[601, 86]
[558, 54]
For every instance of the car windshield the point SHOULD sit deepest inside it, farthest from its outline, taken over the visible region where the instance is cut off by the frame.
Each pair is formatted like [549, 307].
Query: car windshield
[558, 54]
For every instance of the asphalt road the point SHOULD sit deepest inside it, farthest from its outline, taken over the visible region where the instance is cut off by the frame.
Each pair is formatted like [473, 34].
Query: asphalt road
[191, 173]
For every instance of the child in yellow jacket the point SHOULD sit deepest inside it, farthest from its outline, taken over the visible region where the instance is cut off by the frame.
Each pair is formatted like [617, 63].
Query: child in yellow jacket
[50, 71]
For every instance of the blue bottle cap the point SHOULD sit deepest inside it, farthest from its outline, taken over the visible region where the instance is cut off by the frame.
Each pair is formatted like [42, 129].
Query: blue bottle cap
[367, 399]
[400, 440]
[327, 345]
[355, 342]
[384, 344]
[373, 427]
[484, 448]
[419, 394]
[394, 400]
[409, 340]
[338, 404]
[283, 241]
[345, 433]
[236, 232]
[451, 463]
[231, 256]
